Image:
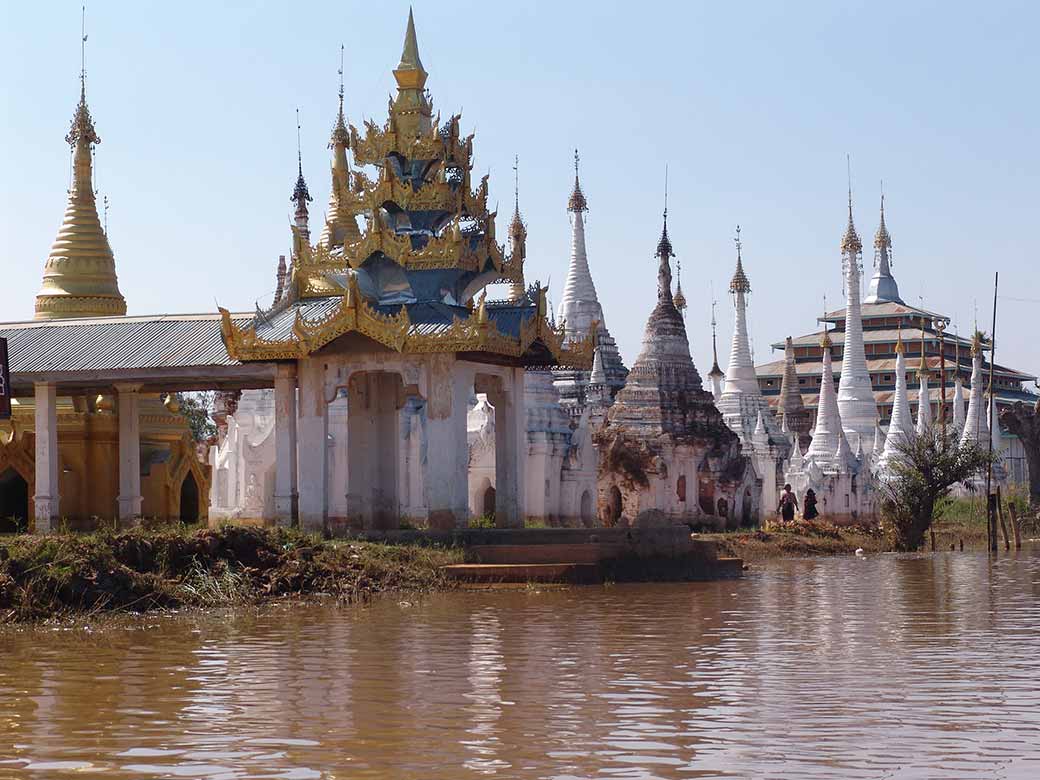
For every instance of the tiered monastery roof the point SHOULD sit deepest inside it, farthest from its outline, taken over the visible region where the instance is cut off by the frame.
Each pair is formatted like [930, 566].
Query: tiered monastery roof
[413, 280]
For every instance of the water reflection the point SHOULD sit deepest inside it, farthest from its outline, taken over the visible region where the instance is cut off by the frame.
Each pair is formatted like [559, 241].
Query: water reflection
[838, 668]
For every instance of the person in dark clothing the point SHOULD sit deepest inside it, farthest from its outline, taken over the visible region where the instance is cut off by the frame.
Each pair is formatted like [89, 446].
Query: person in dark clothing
[810, 505]
[788, 503]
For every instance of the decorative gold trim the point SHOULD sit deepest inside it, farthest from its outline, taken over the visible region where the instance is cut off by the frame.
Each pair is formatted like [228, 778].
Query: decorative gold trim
[476, 333]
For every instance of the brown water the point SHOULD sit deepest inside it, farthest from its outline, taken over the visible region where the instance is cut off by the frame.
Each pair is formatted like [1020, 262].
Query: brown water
[908, 667]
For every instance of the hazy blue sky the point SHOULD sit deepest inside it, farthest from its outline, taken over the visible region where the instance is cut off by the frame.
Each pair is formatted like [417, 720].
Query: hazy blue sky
[752, 105]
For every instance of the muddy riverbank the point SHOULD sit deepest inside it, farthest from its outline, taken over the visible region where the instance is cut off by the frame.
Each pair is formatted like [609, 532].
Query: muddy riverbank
[63, 575]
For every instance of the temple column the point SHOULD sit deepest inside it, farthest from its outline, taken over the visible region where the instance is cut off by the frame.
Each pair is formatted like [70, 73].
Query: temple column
[129, 453]
[313, 428]
[285, 495]
[47, 497]
[449, 386]
[510, 450]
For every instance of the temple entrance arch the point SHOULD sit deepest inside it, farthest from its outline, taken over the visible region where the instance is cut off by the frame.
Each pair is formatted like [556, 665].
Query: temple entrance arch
[488, 503]
[374, 401]
[723, 508]
[505, 395]
[745, 515]
[706, 489]
[14, 502]
[586, 509]
[189, 499]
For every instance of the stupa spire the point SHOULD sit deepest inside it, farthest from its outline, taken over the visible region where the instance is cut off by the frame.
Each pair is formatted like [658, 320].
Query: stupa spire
[740, 373]
[792, 407]
[827, 432]
[883, 287]
[663, 387]
[856, 400]
[411, 111]
[958, 389]
[301, 196]
[976, 426]
[901, 425]
[340, 225]
[79, 278]
[715, 375]
[924, 402]
[579, 304]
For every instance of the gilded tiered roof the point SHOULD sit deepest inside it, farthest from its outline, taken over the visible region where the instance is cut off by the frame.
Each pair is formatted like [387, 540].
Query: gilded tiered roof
[79, 278]
[412, 280]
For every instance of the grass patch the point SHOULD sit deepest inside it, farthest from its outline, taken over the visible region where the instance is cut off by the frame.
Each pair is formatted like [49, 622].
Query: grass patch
[167, 568]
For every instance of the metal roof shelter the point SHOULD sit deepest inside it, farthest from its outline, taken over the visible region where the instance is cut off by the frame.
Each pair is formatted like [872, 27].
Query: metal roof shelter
[162, 353]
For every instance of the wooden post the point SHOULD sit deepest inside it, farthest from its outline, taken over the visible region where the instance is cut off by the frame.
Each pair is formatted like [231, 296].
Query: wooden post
[962, 545]
[1016, 525]
[1003, 525]
[932, 532]
[991, 521]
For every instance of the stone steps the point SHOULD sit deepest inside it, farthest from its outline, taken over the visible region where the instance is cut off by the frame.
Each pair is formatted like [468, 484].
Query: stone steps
[591, 553]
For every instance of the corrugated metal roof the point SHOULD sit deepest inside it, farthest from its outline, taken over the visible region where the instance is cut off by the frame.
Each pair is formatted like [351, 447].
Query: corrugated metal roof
[114, 343]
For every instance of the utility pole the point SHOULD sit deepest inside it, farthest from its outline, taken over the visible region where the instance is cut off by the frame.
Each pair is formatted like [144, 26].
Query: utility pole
[940, 328]
[991, 498]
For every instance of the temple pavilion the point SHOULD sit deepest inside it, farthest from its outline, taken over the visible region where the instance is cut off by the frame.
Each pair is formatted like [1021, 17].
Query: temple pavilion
[388, 308]
[886, 320]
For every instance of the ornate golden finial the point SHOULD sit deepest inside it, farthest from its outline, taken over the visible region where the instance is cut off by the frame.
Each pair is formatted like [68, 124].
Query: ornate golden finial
[410, 111]
[715, 370]
[482, 315]
[899, 339]
[517, 229]
[577, 201]
[850, 243]
[410, 73]
[301, 196]
[739, 283]
[340, 136]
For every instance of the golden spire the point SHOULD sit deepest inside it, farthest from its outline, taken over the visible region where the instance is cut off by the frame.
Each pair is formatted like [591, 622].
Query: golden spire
[411, 110]
[340, 137]
[79, 278]
[899, 339]
[517, 232]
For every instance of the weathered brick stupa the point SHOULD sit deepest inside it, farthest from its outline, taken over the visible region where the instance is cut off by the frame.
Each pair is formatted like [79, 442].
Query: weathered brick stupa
[666, 455]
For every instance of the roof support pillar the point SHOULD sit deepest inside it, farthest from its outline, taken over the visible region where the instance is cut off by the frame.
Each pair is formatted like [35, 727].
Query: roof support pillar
[313, 447]
[285, 487]
[449, 387]
[47, 497]
[129, 452]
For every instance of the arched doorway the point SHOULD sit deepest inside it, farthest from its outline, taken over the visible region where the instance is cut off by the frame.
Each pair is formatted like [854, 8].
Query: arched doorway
[14, 503]
[614, 507]
[489, 503]
[586, 509]
[723, 508]
[706, 489]
[189, 499]
[745, 517]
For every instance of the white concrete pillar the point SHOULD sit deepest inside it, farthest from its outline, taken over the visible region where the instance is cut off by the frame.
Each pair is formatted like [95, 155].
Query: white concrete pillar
[129, 452]
[510, 451]
[449, 387]
[285, 489]
[47, 497]
[313, 429]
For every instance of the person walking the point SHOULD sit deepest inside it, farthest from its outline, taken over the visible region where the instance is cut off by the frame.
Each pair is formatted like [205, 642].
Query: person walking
[788, 504]
[810, 513]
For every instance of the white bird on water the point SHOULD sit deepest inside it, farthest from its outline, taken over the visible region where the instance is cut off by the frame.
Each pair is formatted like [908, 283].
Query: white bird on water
[860, 553]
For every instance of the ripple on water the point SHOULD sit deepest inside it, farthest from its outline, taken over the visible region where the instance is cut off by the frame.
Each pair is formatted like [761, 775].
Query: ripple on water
[892, 666]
